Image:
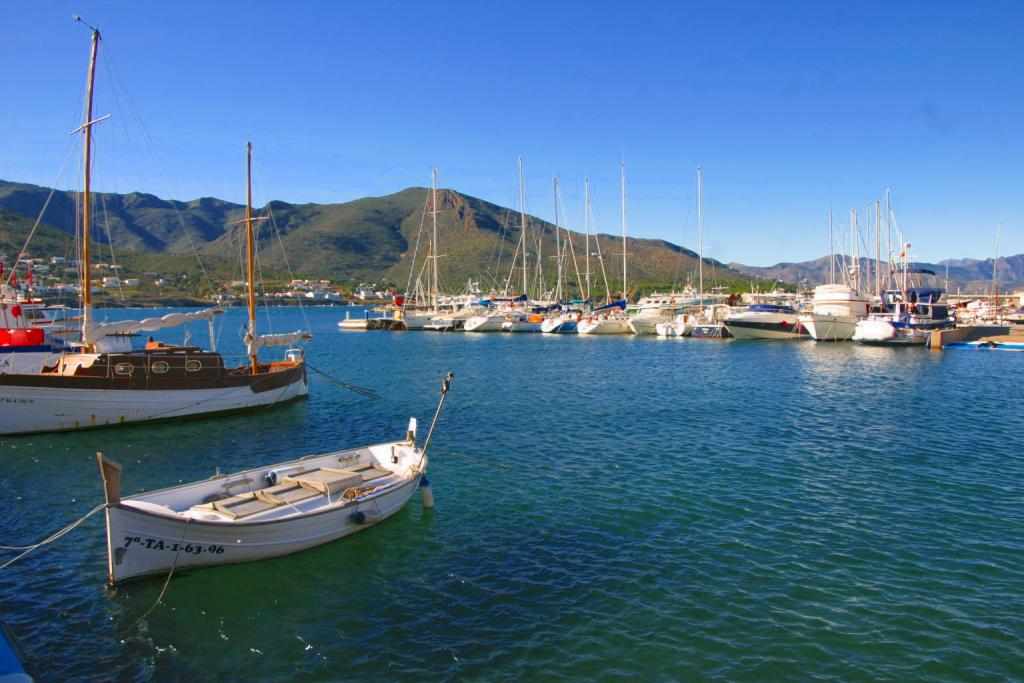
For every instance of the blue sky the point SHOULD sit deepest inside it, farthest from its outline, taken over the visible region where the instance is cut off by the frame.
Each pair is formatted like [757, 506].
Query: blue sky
[789, 107]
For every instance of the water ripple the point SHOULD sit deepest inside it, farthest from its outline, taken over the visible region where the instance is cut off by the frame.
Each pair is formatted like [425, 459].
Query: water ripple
[676, 510]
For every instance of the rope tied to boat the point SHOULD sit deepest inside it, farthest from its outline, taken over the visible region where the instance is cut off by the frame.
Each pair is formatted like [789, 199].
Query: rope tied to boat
[49, 539]
[363, 391]
[167, 582]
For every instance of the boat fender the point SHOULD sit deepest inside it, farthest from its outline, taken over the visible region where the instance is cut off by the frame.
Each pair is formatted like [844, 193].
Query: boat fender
[426, 495]
[361, 518]
[275, 476]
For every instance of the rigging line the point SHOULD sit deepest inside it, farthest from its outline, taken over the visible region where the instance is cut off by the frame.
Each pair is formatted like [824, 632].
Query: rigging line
[181, 544]
[277, 233]
[122, 119]
[261, 279]
[148, 139]
[110, 242]
[416, 249]
[39, 219]
[369, 393]
[49, 539]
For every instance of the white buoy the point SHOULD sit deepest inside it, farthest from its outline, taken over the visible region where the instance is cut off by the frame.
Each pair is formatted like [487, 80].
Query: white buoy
[426, 495]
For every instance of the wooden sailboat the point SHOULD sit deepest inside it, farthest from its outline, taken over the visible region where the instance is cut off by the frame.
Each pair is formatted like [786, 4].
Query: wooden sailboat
[97, 387]
[263, 512]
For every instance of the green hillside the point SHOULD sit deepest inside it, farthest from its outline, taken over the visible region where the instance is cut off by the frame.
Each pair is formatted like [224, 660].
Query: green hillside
[363, 240]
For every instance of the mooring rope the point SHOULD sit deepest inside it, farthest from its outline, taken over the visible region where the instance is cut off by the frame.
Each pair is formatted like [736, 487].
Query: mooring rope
[167, 582]
[369, 393]
[49, 539]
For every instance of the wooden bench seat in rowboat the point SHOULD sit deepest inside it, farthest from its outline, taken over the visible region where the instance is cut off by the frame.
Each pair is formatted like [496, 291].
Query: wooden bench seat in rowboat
[369, 471]
[325, 480]
[295, 488]
[237, 507]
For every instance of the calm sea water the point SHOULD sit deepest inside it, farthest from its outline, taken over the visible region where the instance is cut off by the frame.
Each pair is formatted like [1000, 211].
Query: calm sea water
[676, 509]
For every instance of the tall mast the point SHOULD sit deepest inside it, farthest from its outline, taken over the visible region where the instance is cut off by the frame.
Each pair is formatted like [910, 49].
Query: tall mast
[622, 186]
[888, 229]
[831, 247]
[586, 220]
[433, 244]
[250, 260]
[522, 223]
[878, 248]
[995, 279]
[86, 215]
[700, 232]
[854, 232]
[558, 246]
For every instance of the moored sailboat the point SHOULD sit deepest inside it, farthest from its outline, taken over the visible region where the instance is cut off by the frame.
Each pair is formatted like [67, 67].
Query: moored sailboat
[95, 388]
[611, 318]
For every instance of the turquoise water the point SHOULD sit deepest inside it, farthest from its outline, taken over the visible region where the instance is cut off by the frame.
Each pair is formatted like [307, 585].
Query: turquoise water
[676, 509]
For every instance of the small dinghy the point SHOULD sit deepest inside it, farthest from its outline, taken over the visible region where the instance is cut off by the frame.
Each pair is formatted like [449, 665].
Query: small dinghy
[263, 512]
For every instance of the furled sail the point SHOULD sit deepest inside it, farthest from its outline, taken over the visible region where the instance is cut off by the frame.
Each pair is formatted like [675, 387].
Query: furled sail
[282, 339]
[97, 331]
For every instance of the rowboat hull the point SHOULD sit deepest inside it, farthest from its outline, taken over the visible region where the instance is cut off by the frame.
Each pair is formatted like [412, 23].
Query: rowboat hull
[143, 543]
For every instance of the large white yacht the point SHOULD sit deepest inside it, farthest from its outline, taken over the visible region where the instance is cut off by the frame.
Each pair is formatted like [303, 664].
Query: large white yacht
[835, 310]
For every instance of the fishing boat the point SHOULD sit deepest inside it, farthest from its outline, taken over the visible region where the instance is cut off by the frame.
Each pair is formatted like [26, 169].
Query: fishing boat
[262, 512]
[765, 321]
[909, 314]
[907, 318]
[96, 388]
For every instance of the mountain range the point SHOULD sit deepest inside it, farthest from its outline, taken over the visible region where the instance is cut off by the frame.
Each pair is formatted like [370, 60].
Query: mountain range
[376, 238]
[969, 275]
[361, 240]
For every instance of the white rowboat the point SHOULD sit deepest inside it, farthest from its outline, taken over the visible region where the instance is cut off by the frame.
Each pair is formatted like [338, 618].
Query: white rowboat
[262, 512]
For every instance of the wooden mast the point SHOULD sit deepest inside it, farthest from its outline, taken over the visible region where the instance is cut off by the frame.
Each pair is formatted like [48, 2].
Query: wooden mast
[86, 203]
[250, 260]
